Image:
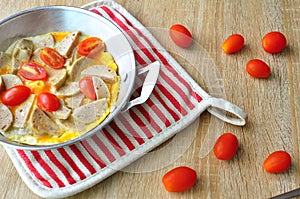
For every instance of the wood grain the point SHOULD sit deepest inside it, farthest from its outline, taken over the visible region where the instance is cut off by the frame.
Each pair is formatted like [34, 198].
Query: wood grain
[273, 105]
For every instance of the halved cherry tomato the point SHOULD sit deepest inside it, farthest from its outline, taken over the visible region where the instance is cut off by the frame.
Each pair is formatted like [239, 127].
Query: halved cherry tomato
[233, 43]
[274, 42]
[277, 162]
[90, 46]
[257, 68]
[32, 71]
[226, 146]
[15, 95]
[48, 102]
[86, 86]
[179, 179]
[52, 58]
[180, 35]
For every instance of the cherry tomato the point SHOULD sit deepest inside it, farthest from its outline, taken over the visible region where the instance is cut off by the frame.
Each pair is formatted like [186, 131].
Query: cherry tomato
[257, 68]
[86, 86]
[15, 95]
[90, 46]
[233, 43]
[226, 146]
[48, 102]
[277, 162]
[180, 35]
[179, 179]
[274, 42]
[52, 58]
[32, 71]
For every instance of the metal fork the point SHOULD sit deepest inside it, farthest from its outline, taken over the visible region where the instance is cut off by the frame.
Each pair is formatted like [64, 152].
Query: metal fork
[289, 194]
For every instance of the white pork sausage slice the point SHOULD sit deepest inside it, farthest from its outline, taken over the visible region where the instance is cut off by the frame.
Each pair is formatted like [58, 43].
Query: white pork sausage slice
[68, 89]
[63, 112]
[104, 72]
[4, 60]
[11, 80]
[74, 101]
[42, 124]
[100, 87]
[23, 50]
[56, 77]
[41, 41]
[66, 46]
[90, 112]
[6, 117]
[22, 112]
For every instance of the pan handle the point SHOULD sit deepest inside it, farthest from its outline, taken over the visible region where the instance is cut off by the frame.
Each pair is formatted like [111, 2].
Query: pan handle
[148, 85]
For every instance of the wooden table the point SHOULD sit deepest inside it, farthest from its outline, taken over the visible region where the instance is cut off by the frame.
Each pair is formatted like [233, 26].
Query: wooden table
[273, 104]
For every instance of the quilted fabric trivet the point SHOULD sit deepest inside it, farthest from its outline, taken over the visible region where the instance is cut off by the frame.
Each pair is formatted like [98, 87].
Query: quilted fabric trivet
[175, 102]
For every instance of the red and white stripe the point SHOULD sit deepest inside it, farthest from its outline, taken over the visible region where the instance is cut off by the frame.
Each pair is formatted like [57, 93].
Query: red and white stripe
[172, 99]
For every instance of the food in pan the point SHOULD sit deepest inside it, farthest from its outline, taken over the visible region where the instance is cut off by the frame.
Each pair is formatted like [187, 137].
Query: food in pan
[55, 87]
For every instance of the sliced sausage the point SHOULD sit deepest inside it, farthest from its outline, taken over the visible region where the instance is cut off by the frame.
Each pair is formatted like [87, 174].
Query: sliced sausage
[90, 112]
[66, 46]
[63, 112]
[77, 66]
[6, 117]
[15, 65]
[71, 125]
[11, 80]
[23, 50]
[42, 41]
[68, 89]
[41, 124]
[104, 72]
[56, 77]
[4, 60]
[100, 87]
[22, 112]
[74, 101]
[36, 56]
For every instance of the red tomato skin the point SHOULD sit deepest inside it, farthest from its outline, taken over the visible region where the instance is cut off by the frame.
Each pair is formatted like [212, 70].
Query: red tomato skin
[15, 95]
[274, 42]
[86, 86]
[179, 179]
[180, 35]
[277, 162]
[52, 58]
[48, 102]
[40, 72]
[233, 43]
[226, 146]
[90, 47]
[258, 69]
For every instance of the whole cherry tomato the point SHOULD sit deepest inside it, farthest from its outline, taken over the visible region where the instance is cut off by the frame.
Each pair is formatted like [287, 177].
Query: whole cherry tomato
[32, 71]
[274, 42]
[180, 35]
[90, 46]
[226, 146]
[179, 179]
[277, 162]
[233, 43]
[86, 86]
[48, 102]
[52, 58]
[257, 68]
[15, 95]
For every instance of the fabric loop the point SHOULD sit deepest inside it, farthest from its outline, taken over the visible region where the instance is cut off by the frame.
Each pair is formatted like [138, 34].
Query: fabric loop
[220, 108]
